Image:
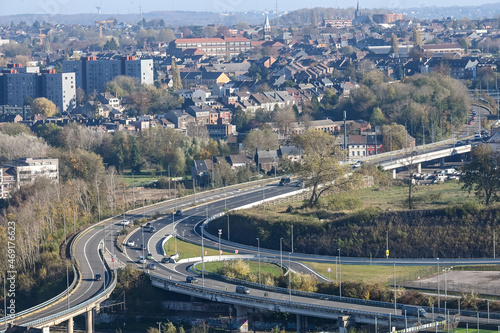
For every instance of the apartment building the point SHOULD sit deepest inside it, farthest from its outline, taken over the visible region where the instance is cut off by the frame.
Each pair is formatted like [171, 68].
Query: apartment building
[16, 86]
[228, 46]
[93, 74]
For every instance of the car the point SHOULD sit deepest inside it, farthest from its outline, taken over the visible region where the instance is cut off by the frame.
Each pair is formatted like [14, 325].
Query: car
[414, 311]
[284, 181]
[358, 164]
[191, 279]
[149, 256]
[152, 229]
[131, 243]
[477, 137]
[151, 266]
[98, 277]
[164, 260]
[148, 225]
[179, 213]
[141, 260]
[470, 122]
[242, 290]
[125, 222]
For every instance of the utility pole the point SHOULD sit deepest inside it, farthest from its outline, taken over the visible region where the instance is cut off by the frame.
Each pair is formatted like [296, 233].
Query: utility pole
[345, 139]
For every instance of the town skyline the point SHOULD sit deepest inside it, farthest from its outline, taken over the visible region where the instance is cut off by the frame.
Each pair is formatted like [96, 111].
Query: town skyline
[110, 7]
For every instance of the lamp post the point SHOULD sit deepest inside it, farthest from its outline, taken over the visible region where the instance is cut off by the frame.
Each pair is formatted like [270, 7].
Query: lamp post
[142, 247]
[133, 188]
[281, 251]
[395, 287]
[340, 277]
[439, 298]
[159, 326]
[74, 212]
[258, 255]
[289, 278]
[220, 233]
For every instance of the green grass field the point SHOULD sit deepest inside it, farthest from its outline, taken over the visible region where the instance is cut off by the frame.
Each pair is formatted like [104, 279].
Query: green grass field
[472, 330]
[366, 273]
[265, 267]
[189, 250]
[142, 178]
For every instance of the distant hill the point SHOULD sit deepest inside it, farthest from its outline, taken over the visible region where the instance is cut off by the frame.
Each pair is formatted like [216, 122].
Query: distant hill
[296, 17]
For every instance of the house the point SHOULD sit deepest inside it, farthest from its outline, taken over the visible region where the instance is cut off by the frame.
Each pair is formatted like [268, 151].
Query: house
[221, 131]
[7, 181]
[238, 161]
[26, 170]
[364, 145]
[203, 78]
[293, 153]
[200, 172]
[180, 118]
[266, 160]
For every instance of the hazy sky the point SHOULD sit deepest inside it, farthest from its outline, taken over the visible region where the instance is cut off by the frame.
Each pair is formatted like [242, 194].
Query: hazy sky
[48, 7]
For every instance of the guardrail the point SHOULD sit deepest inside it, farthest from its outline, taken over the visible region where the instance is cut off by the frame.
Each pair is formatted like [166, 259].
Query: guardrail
[44, 304]
[264, 300]
[98, 298]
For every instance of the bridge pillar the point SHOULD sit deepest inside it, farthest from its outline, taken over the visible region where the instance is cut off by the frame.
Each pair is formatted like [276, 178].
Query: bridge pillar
[69, 326]
[301, 324]
[89, 320]
[393, 173]
[241, 318]
[343, 321]
[442, 163]
[419, 168]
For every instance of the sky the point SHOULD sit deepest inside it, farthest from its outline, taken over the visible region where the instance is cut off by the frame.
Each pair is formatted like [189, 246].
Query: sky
[51, 7]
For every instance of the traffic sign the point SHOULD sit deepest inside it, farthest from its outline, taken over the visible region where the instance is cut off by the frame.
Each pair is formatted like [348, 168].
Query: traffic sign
[387, 253]
[235, 251]
[220, 252]
[329, 269]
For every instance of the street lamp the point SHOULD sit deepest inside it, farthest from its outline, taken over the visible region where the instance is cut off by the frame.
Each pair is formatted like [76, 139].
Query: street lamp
[220, 233]
[159, 326]
[395, 287]
[439, 298]
[281, 251]
[289, 279]
[340, 277]
[258, 256]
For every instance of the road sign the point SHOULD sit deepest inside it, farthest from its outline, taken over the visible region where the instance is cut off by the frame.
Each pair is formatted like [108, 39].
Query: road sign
[235, 251]
[205, 252]
[220, 252]
[329, 269]
[387, 253]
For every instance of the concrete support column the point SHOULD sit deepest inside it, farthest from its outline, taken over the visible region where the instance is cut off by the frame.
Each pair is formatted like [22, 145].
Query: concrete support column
[419, 168]
[89, 320]
[343, 321]
[69, 326]
[442, 163]
[393, 173]
[301, 324]
[241, 318]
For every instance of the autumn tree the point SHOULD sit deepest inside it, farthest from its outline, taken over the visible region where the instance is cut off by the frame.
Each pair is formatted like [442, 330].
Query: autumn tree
[482, 173]
[261, 139]
[43, 106]
[320, 168]
[417, 37]
[176, 76]
[283, 120]
[394, 137]
[394, 44]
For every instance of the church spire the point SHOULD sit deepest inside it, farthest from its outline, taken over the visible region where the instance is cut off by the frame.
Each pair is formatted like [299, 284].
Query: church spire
[357, 13]
[267, 29]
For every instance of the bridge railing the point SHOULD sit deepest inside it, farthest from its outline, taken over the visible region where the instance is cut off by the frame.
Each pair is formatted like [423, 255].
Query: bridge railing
[78, 308]
[44, 304]
[264, 300]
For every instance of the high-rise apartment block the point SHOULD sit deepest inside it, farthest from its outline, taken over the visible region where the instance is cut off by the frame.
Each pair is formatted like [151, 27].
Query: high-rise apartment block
[92, 74]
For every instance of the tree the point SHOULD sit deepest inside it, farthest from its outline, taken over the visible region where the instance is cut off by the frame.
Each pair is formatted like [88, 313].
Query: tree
[240, 119]
[43, 106]
[417, 37]
[320, 167]
[377, 117]
[176, 76]
[482, 173]
[394, 44]
[179, 162]
[111, 45]
[261, 139]
[394, 137]
[283, 120]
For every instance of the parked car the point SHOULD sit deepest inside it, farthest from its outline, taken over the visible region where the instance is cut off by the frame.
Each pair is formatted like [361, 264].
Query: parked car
[98, 277]
[151, 266]
[131, 243]
[242, 290]
[125, 222]
[191, 279]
